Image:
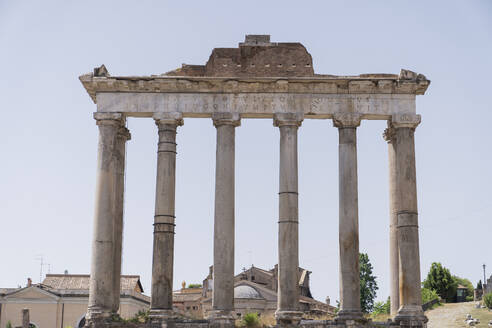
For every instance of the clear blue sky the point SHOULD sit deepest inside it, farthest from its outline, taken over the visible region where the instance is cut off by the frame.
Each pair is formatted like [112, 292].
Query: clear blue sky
[48, 138]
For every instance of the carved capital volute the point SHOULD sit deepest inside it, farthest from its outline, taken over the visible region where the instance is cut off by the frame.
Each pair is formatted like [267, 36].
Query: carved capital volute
[226, 119]
[405, 121]
[173, 118]
[109, 118]
[124, 133]
[389, 134]
[292, 119]
[346, 120]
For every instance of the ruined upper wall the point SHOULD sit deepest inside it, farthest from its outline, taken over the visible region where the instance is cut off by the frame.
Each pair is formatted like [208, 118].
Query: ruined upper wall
[256, 57]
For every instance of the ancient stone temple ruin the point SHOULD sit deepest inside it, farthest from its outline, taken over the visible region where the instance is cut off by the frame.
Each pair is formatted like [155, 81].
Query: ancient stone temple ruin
[258, 80]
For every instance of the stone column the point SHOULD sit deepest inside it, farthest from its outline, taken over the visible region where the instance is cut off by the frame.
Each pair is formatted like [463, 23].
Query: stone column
[407, 226]
[120, 151]
[103, 247]
[389, 136]
[288, 223]
[223, 270]
[161, 304]
[347, 124]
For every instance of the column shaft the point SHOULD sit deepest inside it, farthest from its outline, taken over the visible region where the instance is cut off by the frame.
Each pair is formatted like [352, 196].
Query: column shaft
[223, 270]
[164, 219]
[102, 267]
[122, 137]
[407, 216]
[389, 136]
[348, 217]
[288, 224]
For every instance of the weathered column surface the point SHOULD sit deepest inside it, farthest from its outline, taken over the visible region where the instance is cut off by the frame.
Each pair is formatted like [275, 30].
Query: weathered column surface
[407, 225]
[101, 295]
[122, 137]
[223, 270]
[161, 304]
[347, 124]
[288, 224]
[389, 136]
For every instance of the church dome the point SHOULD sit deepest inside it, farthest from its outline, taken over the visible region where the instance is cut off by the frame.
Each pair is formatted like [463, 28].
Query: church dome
[245, 291]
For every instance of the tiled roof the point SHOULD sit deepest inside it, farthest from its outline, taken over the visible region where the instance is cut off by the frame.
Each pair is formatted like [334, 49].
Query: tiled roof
[81, 282]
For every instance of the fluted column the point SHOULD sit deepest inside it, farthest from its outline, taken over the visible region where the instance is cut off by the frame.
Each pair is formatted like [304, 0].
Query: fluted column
[288, 223]
[407, 218]
[389, 136]
[350, 308]
[223, 270]
[161, 304]
[101, 296]
[122, 137]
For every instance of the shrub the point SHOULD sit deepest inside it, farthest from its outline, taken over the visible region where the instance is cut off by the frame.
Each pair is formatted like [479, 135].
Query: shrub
[487, 299]
[194, 285]
[251, 319]
[9, 324]
[382, 307]
[428, 295]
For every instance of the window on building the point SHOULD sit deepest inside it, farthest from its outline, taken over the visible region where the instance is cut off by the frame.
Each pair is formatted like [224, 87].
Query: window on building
[187, 307]
[252, 278]
[238, 315]
[195, 307]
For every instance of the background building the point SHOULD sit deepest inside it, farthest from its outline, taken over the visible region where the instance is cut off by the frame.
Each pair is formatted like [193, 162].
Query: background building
[255, 290]
[61, 300]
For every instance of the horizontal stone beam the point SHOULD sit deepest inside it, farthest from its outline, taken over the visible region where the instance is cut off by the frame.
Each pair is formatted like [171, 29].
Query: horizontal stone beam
[259, 105]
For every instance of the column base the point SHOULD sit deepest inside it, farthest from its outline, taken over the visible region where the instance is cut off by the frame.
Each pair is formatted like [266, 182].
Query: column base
[221, 319]
[350, 315]
[162, 314]
[411, 316]
[97, 317]
[286, 317]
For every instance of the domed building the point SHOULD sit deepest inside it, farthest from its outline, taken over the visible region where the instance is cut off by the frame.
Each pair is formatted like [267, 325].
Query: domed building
[255, 290]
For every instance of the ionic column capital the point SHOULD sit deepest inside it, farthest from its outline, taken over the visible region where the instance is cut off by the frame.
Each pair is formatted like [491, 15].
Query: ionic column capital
[389, 134]
[124, 133]
[405, 121]
[292, 119]
[226, 118]
[109, 118]
[173, 118]
[346, 120]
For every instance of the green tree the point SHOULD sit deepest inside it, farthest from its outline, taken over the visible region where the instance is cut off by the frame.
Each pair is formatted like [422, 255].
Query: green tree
[439, 279]
[479, 284]
[428, 295]
[368, 285]
[9, 324]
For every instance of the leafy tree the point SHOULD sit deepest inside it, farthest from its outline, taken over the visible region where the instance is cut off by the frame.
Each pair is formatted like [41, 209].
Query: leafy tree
[9, 324]
[479, 284]
[368, 285]
[487, 299]
[439, 279]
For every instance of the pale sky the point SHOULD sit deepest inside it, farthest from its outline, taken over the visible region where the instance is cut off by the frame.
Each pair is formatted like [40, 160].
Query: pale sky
[48, 138]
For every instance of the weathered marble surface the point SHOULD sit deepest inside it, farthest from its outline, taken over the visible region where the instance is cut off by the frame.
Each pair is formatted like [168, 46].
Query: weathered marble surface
[258, 105]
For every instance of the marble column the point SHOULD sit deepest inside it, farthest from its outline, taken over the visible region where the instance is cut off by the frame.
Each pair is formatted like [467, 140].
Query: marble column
[223, 270]
[288, 224]
[122, 137]
[407, 218]
[389, 136]
[103, 247]
[350, 308]
[161, 304]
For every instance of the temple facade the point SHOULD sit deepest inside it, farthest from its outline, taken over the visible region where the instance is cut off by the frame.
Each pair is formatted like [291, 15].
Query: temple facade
[258, 80]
